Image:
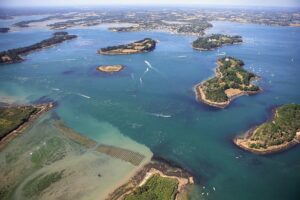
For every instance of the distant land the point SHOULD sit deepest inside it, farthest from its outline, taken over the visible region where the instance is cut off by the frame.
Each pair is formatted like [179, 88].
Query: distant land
[280, 133]
[14, 55]
[175, 21]
[4, 30]
[214, 41]
[230, 82]
[140, 46]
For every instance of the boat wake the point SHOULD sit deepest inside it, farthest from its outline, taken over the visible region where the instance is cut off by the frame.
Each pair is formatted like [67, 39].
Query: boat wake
[82, 95]
[148, 69]
[183, 56]
[222, 54]
[55, 89]
[160, 115]
[154, 69]
[150, 66]
[141, 78]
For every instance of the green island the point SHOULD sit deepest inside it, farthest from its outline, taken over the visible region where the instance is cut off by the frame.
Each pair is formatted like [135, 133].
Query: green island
[140, 46]
[215, 41]
[14, 55]
[110, 68]
[157, 187]
[278, 134]
[14, 119]
[231, 81]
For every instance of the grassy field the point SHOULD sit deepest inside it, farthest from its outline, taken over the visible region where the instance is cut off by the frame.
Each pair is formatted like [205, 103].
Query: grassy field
[281, 129]
[156, 188]
[12, 117]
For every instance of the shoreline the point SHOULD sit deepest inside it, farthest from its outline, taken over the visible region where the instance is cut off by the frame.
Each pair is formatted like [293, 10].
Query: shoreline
[12, 56]
[213, 49]
[200, 95]
[43, 108]
[120, 53]
[110, 68]
[241, 140]
[159, 167]
[141, 46]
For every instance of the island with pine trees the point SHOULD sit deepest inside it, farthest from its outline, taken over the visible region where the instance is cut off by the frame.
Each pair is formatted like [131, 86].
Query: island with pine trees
[231, 81]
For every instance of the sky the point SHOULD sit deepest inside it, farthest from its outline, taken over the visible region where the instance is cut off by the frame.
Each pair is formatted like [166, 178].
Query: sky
[268, 3]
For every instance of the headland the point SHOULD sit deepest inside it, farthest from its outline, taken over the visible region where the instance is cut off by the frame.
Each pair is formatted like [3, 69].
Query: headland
[278, 134]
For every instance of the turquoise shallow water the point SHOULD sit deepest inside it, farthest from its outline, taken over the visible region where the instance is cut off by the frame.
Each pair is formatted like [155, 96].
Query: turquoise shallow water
[161, 111]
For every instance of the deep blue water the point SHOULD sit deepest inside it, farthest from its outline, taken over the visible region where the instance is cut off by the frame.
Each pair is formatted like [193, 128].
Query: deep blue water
[196, 136]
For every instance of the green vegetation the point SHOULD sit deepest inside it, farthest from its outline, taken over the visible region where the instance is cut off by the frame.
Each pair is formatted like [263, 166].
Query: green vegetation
[156, 188]
[36, 185]
[13, 55]
[214, 41]
[230, 74]
[50, 151]
[12, 117]
[280, 130]
[144, 45]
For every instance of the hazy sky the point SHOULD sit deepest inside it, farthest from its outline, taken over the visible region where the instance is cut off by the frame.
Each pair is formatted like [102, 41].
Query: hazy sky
[280, 3]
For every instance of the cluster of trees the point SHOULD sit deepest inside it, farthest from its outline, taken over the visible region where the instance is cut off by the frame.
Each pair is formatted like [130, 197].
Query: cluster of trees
[215, 91]
[194, 28]
[156, 187]
[12, 117]
[233, 76]
[280, 130]
[215, 40]
[148, 43]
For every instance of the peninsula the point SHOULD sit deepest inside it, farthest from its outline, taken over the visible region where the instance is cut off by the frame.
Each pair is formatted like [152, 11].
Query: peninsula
[15, 119]
[140, 46]
[231, 81]
[215, 41]
[110, 68]
[156, 180]
[14, 55]
[280, 133]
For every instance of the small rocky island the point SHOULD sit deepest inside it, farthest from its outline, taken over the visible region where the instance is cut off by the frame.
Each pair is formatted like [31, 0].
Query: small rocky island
[280, 133]
[231, 81]
[4, 30]
[215, 41]
[14, 55]
[140, 46]
[110, 68]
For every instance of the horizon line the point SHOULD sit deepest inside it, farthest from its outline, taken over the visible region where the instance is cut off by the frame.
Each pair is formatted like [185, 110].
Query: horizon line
[150, 4]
